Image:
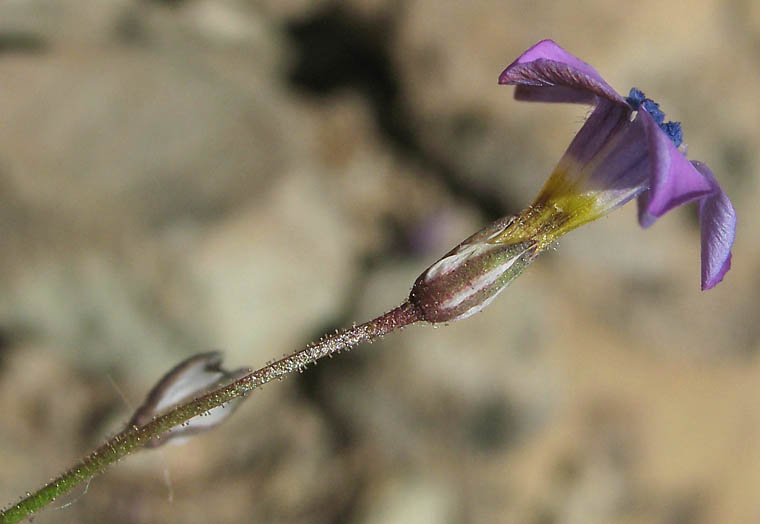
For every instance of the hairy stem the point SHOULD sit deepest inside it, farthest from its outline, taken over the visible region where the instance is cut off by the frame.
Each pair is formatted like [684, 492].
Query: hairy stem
[134, 437]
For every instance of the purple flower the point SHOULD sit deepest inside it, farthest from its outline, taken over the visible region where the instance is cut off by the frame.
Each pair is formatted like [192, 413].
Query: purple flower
[624, 150]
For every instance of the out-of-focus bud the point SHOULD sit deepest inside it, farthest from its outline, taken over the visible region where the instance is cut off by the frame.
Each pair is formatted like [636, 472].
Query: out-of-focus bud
[468, 278]
[190, 379]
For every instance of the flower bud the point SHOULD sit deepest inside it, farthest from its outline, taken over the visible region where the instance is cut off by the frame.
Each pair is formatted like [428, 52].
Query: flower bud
[189, 379]
[468, 278]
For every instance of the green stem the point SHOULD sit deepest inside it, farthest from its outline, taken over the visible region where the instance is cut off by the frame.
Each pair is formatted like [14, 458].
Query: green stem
[133, 438]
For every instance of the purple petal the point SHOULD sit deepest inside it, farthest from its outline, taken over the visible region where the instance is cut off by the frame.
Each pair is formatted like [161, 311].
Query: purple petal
[605, 123]
[673, 180]
[548, 73]
[717, 219]
[645, 218]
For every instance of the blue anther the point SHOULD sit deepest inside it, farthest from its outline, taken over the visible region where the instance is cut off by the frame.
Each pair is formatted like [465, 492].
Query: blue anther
[635, 98]
[653, 108]
[674, 132]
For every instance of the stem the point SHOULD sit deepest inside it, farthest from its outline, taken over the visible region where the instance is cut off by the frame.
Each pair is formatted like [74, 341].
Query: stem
[134, 437]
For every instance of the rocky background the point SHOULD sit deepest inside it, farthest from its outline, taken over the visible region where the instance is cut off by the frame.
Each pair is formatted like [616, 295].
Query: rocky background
[177, 176]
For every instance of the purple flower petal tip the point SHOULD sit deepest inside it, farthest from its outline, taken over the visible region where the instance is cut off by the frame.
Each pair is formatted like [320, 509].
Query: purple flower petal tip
[717, 219]
[548, 73]
[716, 279]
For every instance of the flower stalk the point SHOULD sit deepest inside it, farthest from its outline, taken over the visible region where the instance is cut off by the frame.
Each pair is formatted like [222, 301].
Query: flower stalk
[134, 438]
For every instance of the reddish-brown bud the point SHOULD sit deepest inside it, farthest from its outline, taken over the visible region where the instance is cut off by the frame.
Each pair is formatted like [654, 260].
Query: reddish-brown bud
[468, 278]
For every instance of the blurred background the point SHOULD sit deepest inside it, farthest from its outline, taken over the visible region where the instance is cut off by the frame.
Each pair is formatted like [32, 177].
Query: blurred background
[180, 176]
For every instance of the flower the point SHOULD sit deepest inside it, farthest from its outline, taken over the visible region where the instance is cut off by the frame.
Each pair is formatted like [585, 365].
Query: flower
[624, 150]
